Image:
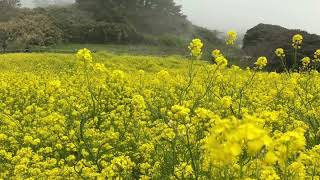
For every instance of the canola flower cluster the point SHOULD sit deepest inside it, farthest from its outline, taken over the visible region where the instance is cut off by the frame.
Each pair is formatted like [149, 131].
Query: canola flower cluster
[84, 55]
[219, 59]
[195, 48]
[261, 62]
[101, 116]
[280, 53]
[297, 41]
[317, 55]
[305, 61]
[231, 37]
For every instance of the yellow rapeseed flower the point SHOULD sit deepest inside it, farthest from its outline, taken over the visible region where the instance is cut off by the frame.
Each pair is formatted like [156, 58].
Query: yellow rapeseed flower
[306, 61]
[221, 61]
[231, 37]
[84, 55]
[280, 53]
[317, 55]
[226, 101]
[261, 62]
[269, 173]
[195, 48]
[297, 41]
[125, 123]
[216, 53]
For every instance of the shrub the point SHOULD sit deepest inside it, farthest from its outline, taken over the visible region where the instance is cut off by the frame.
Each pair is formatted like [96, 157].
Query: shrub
[33, 30]
[171, 41]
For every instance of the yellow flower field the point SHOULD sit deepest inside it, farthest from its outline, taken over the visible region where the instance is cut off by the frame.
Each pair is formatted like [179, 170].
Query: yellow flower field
[105, 116]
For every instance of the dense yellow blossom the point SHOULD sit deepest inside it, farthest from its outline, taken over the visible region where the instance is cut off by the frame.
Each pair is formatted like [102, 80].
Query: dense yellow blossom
[141, 117]
[269, 174]
[226, 101]
[84, 55]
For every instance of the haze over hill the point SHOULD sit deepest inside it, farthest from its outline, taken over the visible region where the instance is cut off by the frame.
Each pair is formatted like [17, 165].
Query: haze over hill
[244, 14]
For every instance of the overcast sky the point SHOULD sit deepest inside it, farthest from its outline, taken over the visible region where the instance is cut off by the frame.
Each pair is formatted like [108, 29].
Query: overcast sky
[241, 15]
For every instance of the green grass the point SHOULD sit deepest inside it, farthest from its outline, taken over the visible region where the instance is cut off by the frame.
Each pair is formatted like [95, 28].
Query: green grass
[233, 54]
[57, 62]
[152, 50]
[124, 49]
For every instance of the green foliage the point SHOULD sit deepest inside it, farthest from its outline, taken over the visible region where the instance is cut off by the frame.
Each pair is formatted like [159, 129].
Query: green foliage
[147, 22]
[79, 26]
[116, 32]
[5, 35]
[207, 35]
[31, 30]
[8, 10]
[171, 41]
[116, 10]
[152, 17]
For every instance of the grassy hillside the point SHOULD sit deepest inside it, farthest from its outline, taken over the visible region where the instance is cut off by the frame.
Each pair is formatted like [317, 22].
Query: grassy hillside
[148, 117]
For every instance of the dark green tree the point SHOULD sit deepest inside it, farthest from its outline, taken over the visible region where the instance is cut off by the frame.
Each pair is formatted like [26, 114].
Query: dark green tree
[113, 9]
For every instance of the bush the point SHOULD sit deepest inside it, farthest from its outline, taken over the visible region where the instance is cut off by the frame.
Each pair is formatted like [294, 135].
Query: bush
[74, 23]
[33, 30]
[5, 35]
[207, 35]
[117, 32]
[172, 41]
[8, 14]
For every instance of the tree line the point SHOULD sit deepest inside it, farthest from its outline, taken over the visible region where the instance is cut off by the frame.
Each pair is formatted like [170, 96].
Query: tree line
[97, 21]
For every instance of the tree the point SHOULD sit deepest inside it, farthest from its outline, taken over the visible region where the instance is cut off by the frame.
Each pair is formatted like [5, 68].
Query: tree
[146, 16]
[30, 30]
[6, 4]
[5, 35]
[115, 8]
[8, 9]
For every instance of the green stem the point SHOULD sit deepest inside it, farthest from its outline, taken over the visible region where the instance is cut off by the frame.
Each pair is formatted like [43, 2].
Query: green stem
[286, 163]
[284, 65]
[242, 92]
[191, 155]
[191, 77]
[295, 59]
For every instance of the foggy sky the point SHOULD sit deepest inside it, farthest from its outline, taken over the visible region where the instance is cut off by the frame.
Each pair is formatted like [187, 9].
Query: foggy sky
[241, 15]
